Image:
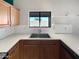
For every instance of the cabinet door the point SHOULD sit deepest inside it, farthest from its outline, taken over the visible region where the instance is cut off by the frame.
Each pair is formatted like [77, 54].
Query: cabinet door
[49, 52]
[14, 52]
[12, 56]
[17, 17]
[41, 50]
[4, 14]
[31, 52]
[14, 16]
[65, 54]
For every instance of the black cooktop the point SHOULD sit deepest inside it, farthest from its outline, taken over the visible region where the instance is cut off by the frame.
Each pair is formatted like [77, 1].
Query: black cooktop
[40, 36]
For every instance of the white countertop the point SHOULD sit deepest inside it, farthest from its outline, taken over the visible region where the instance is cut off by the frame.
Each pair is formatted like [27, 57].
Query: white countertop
[70, 40]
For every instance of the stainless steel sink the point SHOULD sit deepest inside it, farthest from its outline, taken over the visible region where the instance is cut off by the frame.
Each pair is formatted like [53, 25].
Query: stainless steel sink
[39, 36]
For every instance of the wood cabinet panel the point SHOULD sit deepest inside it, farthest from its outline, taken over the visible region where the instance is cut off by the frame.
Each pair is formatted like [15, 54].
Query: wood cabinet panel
[11, 56]
[66, 55]
[31, 42]
[31, 52]
[49, 49]
[9, 15]
[40, 49]
[14, 16]
[49, 52]
[14, 52]
[66, 52]
[4, 14]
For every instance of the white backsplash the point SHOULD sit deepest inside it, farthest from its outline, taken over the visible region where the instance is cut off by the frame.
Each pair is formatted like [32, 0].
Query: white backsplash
[4, 32]
[56, 28]
[24, 29]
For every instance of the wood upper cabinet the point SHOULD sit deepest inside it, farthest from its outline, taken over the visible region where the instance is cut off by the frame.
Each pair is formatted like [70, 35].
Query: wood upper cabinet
[4, 14]
[1, 0]
[9, 15]
[14, 16]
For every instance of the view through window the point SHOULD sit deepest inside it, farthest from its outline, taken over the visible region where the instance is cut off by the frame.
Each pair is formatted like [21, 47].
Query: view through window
[40, 19]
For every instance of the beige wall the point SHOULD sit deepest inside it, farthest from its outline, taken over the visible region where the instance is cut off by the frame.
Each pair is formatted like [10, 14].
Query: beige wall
[63, 12]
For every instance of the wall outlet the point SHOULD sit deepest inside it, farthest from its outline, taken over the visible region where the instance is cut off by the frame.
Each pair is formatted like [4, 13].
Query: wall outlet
[61, 28]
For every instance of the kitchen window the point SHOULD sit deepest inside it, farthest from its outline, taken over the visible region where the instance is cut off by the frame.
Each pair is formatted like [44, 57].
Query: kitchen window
[40, 19]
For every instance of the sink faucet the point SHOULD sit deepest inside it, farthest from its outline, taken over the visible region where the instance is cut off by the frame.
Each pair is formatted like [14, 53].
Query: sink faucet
[39, 31]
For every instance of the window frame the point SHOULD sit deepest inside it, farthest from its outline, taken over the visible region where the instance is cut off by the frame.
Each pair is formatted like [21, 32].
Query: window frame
[39, 15]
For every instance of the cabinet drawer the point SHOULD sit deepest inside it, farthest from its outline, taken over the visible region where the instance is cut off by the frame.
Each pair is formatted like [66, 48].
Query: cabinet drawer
[41, 42]
[45, 42]
[31, 42]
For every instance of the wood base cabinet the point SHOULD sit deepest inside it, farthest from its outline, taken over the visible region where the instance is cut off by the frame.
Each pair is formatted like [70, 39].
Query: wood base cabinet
[35, 49]
[14, 52]
[49, 52]
[31, 52]
[65, 54]
[39, 49]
